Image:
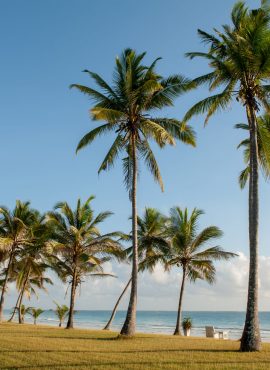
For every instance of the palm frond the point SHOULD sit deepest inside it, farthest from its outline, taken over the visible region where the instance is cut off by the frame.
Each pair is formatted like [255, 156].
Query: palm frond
[243, 177]
[149, 159]
[112, 154]
[210, 105]
[91, 136]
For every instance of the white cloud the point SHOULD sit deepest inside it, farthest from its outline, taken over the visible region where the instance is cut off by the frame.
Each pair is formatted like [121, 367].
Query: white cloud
[159, 275]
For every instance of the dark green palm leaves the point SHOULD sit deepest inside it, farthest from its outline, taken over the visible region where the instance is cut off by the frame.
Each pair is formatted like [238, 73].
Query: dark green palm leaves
[239, 57]
[78, 241]
[126, 106]
[263, 139]
[153, 246]
[187, 245]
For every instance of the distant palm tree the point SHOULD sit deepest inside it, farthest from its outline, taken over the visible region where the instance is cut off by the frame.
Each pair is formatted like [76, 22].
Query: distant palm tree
[61, 312]
[187, 250]
[126, 108]
[152, 248]
[239, 59]
[263, 138]
[36, 312]
[25, 310]
[82, 249]
[30, 288]
[32, 262]
[14, 233]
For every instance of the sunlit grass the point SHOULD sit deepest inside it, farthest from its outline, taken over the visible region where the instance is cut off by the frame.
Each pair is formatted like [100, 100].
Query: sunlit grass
[42, 347]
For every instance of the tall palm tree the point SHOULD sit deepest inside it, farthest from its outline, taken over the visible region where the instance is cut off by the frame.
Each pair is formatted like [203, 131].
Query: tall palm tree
[152, 248]
[61, 312]
[82, 249]
[239, 58]
[126, 108]
[35, 313]
[263, 139]
[188, 250]
[15, 232]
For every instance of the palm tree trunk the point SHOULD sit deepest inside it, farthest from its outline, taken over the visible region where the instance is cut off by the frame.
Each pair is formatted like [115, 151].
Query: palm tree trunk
[72, 301]
[179, 313]
[2, 299]
[129, 326]
[251, 340]
[16, 307]
[20, 316]
[107, 326]
[20, 298]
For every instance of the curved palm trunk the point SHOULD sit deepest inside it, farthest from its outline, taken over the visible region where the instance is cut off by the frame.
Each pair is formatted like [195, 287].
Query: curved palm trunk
[20, 316]
[179, 313]
[60, 324]
[107, 326]
[251, 340]
[19, 301]
[129, 326]
[4, 287]
[72, 301]
[16, 307]
[35, 321]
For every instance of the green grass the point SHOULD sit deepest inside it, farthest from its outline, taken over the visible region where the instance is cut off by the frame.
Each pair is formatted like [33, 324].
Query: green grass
[40, 347]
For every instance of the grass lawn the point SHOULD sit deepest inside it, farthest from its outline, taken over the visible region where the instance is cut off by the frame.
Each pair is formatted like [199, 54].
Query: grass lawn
[40, 347]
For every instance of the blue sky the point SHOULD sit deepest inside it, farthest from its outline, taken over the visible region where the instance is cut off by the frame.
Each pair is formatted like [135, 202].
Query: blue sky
[44, 47]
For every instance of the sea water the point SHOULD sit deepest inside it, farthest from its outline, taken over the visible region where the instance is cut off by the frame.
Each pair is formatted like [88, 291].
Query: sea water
[162, 322]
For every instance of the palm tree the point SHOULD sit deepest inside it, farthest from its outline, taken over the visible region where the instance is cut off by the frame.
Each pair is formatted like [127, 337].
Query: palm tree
[152, 248]
[27, 281]
[82, 249]
[187, 253]
[61, 312]
[126, 108]
[263, 139]
[33, 283]
[25, 310]
[31, 262]
[239, 59]
[36, 312]
[14, 233]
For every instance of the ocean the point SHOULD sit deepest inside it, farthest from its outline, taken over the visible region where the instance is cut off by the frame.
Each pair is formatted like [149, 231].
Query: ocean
[162, 322]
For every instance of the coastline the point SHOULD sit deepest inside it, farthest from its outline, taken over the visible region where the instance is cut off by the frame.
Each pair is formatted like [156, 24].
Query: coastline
[161, 322]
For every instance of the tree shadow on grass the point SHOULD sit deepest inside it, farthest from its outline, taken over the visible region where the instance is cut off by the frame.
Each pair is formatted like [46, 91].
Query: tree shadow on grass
[151, 364]
[120, 352]
[67, 337]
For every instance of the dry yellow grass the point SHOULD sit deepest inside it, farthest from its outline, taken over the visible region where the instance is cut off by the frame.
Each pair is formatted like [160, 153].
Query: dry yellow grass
[40, 347]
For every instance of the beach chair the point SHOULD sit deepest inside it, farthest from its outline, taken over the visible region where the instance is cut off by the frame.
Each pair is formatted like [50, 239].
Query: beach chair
[212, 333]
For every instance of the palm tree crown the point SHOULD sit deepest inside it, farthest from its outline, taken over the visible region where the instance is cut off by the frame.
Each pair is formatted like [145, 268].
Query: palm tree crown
[153, 245]
[239, 59]
[125, 106]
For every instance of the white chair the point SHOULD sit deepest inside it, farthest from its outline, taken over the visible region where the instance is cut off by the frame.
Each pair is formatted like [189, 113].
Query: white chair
[212, 333]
